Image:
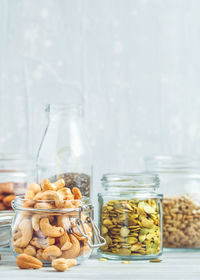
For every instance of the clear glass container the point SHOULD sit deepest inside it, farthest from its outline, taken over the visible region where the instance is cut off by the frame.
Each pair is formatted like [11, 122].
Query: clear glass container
[64, 151]
[130, 216]
[5, 227]
[16, 172]
[180, 184]
[46, 232]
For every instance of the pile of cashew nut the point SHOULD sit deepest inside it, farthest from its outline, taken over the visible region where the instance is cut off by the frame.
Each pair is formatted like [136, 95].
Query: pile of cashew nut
[50, 235]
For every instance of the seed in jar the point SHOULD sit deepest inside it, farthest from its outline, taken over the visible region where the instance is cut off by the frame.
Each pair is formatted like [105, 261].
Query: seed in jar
[104, 229]
[80, 180]
[136, 230]
[155, 260]
[132, 240]
[124, 231]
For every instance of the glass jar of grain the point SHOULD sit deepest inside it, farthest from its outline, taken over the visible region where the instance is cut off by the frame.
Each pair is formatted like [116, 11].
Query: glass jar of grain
[130, 216]
[180, 184]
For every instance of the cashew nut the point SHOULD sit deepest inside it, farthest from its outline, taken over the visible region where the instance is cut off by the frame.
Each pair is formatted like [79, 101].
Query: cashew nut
[17, 234]
[64, 204]
[7, 187]
[37, 196]
[30, 250]
[29, 194]
[50, 195]
[25, 261]
[34, 187]
[27, 232]
[62, 264]
[51, 253]
[59, 184]
[64, 222]
[8, 199]
[46, 185]
[65, 193]
[76, 203]
[74, 251]
[39, 254]
[66, 246]
[76, 192]
[18, 250]
[78, 235]
[49, 230]
[39, 234]
[43, 205]
[65, 242]
[42, 243]
[36, 222]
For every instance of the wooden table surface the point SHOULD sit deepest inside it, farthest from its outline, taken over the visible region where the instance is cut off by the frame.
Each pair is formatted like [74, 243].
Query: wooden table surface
[174, 265]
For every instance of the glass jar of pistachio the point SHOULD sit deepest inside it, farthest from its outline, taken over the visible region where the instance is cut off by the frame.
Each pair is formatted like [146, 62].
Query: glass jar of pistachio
[130, 216]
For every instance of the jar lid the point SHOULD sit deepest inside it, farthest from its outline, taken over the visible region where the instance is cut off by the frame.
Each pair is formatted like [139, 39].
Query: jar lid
[131, 180]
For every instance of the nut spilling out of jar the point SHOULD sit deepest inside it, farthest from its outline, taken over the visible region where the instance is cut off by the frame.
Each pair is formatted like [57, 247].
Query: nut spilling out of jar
[80, 180]
[45, 226]
[181, 222]
[131, 227]
[8, 190]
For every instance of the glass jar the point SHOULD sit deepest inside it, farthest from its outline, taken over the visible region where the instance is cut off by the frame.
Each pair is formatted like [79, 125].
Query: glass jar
[130, 216]
[180, 184]
[42, 230]
[16, 171]
[64, 150]
[5, 227]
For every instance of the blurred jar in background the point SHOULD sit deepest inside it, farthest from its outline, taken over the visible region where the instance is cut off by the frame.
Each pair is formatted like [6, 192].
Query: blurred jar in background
[64, 150]
[16, 172]
[180, 184]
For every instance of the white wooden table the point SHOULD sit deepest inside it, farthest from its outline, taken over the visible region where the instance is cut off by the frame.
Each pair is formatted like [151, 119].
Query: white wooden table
[176, 265]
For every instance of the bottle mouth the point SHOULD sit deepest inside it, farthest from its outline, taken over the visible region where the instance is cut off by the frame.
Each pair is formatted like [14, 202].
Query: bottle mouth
[63, 107]
[131, 180]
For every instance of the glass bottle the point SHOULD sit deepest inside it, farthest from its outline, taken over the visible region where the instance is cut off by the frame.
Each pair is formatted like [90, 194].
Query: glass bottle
[64, 149]
[180, 184]
[130, 216]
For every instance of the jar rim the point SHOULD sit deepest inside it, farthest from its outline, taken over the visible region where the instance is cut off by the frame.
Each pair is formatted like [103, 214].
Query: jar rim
[63, 107]
[131, 180]
[17, 204]
[170, 162]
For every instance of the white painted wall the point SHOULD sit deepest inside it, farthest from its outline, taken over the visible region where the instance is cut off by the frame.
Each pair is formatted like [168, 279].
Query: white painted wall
[136, 64]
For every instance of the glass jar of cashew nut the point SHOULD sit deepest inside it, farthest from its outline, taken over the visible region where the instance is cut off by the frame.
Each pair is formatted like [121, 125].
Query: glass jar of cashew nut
[50, 227]
[180, 184]
[130, 216]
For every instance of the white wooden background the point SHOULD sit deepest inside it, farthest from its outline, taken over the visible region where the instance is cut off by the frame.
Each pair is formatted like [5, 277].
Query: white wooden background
[135, 64]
